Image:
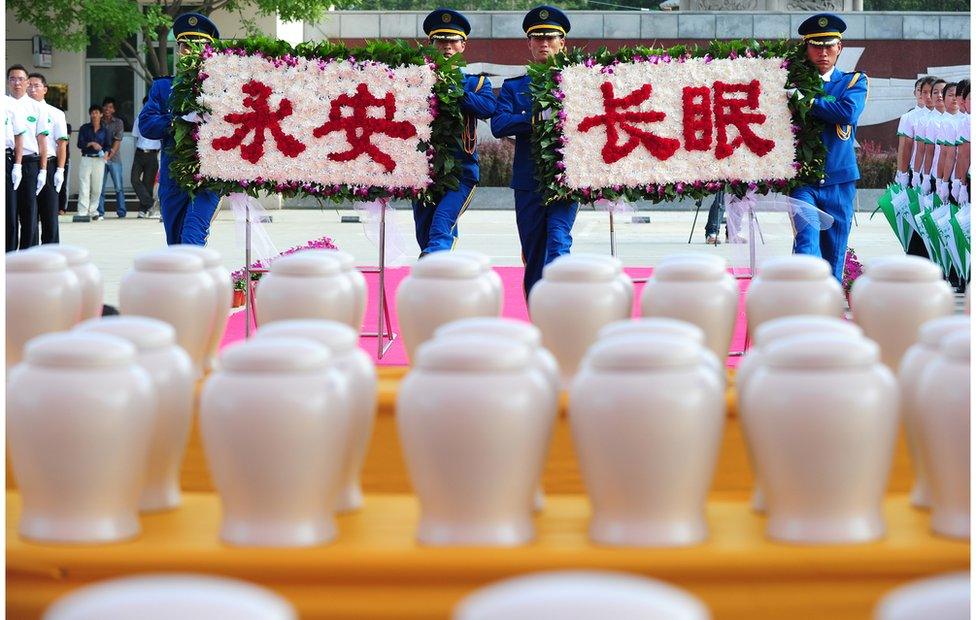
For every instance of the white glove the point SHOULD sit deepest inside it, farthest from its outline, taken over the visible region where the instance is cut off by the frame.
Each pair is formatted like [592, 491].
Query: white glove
[942, 189]
[916, 180]
[58, 180]
[963, 195]
[16, 175]
[547, 114]
[902, 179]
[954, 189]
[926, 184]
[41, 180]
[792, 91]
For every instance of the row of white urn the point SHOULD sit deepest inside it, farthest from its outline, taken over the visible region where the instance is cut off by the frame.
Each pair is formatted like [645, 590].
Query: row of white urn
[187, 287]
[98, 420]
[183, 285]
[580, 293]
[567, 594]
[475, 417]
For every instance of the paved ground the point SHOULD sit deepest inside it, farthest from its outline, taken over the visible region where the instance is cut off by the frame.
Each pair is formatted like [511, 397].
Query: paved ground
[114, 243]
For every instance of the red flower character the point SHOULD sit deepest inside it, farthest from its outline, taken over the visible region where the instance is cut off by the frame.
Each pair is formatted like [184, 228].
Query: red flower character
[259, 120]
[730, 110]
[360, 127]
[661, 148]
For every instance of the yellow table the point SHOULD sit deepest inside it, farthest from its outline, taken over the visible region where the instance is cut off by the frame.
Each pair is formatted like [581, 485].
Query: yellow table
[384, 470]
[375, 570]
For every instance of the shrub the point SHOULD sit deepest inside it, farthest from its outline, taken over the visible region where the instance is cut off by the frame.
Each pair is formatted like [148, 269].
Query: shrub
[877, 165]
[495, 160]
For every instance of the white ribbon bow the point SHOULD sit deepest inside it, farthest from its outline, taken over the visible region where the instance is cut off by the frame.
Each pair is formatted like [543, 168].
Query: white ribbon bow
[370, 213]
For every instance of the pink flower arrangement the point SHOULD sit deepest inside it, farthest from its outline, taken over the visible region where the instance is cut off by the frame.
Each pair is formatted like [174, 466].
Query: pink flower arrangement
[852, 270]
[323, 243]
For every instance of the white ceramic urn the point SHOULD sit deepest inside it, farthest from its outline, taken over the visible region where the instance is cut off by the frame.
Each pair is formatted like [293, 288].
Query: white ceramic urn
[474, 427]
[769, 332]
[795, 284]
[42, 295]
[913, 364]
[172, 374]
[213, 266]
[519, 331]
[822, 413]
[894, 298]
[358, 282]
[274, 436]
[661, 326]
[647, 419]
[173, 287]
[576, 297]
[699, 289]
[624, 281]
[359, 373]
[80, 262]
[946, 597]
[79, 422]
[171, 596]
[499, 327]
[581, 595]
[942, 423]
[442, 287]
[306, 285]
[489, 274]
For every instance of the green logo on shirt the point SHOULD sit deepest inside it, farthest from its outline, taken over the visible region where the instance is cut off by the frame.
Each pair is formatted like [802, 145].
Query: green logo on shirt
[32, 119]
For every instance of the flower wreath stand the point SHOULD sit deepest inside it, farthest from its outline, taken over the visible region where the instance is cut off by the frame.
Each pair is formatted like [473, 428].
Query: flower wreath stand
[319, 119]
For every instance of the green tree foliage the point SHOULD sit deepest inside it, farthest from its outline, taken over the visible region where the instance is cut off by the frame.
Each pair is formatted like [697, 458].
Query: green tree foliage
[72, 25]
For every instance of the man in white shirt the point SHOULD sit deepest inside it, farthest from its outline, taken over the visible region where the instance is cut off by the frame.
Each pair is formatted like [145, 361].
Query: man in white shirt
[57, 151]
[14, 132]
[34, 161]
[145, 165]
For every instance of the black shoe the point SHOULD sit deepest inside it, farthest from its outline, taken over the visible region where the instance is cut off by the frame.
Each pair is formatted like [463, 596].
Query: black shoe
[141, 215]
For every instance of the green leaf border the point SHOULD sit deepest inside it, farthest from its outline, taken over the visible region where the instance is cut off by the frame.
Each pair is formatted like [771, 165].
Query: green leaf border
[446, 129]
[803, 76]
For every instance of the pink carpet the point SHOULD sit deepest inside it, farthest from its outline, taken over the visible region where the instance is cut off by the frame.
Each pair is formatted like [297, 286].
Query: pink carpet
[515, 308]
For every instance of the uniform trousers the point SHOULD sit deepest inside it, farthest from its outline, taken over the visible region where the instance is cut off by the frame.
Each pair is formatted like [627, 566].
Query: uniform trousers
[437, 226]
[836, 201]
[545, 232]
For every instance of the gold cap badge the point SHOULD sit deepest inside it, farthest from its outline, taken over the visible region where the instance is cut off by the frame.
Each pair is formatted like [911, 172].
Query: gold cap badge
[543, 14]
[822, 22]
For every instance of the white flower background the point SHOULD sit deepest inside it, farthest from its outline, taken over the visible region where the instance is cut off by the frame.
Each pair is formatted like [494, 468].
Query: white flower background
[585, 167]
[311, 89]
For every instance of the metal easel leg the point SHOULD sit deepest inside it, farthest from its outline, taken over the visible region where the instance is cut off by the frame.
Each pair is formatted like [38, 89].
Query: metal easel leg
[613, 237]
[248, 306]
[698, 205]
[384, 326]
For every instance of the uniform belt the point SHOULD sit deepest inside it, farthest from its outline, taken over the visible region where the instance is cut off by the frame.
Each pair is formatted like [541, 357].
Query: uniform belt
[31, 157]
[95, 155]
[146, 150]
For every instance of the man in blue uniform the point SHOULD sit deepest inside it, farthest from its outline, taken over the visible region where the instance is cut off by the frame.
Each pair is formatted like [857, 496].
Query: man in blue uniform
[186, 218]
[437, 225]
[839, 108]
[545, 231]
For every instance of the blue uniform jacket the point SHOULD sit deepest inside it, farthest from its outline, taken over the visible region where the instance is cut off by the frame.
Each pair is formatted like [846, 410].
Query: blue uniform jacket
[514, 119]
[156, 117]
[840, 109]
[478, 103]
